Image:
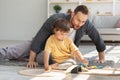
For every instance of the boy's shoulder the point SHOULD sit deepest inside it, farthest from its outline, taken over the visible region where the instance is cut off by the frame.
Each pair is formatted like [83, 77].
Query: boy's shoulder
[68, 39]
[50, 38]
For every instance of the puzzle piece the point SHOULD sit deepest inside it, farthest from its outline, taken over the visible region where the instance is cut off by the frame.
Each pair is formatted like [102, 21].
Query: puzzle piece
[90, 67]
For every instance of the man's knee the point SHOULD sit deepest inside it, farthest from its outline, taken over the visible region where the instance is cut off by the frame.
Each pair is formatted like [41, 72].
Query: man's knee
[40, 58]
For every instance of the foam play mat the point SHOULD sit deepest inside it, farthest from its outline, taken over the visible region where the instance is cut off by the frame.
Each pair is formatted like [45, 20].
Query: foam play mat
[41, 73]
[103, 72]
[55, 73]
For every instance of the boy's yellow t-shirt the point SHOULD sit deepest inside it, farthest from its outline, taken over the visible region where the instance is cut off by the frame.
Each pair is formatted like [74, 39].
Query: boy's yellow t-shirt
[60, 50]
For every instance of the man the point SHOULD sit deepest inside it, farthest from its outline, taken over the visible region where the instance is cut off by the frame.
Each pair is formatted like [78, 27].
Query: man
[80, 24]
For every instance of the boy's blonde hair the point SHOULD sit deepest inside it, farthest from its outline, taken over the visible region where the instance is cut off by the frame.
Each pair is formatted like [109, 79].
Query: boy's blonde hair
[62, 25]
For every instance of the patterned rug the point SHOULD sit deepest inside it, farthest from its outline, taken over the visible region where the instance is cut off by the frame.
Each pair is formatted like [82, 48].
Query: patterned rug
[13, 63]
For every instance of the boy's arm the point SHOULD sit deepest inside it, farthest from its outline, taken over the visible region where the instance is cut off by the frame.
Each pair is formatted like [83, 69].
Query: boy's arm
[46, 61]
[75, 50]
[80, 57]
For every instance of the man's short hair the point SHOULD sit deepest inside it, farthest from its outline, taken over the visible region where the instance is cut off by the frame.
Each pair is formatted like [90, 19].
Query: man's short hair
[81, 8]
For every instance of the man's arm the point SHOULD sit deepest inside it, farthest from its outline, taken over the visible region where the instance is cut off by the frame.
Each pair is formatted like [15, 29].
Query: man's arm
[101, 57]
[89, 29]
[96, 38]
[38, 42]
[32, 63]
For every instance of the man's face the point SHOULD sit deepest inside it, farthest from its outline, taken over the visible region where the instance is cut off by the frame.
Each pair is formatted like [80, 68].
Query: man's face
[78, 20]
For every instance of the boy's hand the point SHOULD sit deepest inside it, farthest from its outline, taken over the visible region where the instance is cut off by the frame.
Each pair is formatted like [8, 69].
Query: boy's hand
[85, 61]
[48, 68]
[54, 66]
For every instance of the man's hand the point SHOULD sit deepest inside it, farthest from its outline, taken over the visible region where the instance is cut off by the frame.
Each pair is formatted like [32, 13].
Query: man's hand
[32, 64]
[101, 57]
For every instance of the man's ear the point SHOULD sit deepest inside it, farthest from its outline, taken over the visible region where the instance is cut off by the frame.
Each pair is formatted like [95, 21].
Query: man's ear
[72, 14]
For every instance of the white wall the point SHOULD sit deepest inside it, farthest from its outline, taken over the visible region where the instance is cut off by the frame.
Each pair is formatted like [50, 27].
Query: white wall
[21, 19]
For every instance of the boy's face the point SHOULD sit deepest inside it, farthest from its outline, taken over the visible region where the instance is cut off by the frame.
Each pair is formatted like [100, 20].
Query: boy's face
[78, 20]
[61, 35]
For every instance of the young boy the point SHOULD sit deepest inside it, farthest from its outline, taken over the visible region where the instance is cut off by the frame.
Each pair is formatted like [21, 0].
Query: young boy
[60, 46]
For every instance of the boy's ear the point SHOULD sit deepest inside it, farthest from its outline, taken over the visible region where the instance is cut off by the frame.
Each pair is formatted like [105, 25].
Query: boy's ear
[54, 30]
